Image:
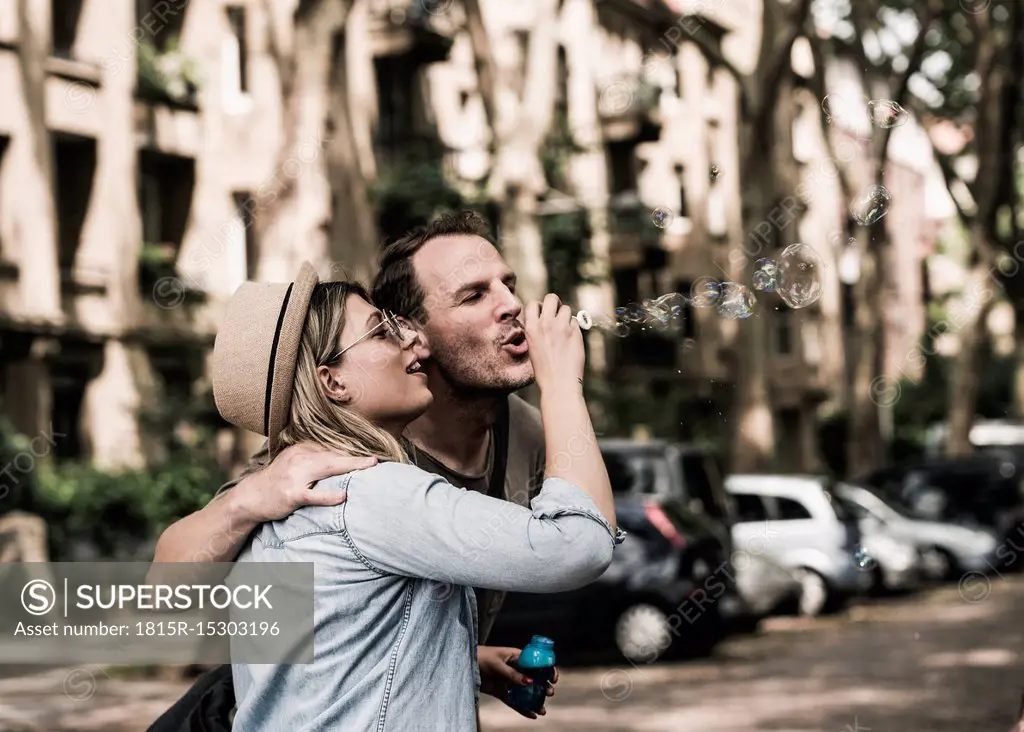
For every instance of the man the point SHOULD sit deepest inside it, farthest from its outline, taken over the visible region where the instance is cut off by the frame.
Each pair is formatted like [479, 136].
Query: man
[450, 279]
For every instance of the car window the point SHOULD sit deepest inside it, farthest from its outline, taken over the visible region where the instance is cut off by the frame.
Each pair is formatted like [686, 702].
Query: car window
[790, 510]
[700, 476]
[636, 473]
[750, 507]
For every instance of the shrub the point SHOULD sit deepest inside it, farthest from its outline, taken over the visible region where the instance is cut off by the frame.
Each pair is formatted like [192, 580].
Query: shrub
[93, 514]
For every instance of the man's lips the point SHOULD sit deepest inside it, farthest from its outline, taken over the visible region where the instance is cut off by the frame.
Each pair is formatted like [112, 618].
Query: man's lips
[516, 343]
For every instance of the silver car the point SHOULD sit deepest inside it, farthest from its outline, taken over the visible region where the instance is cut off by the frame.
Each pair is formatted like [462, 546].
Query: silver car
[795, 521]
[949, 550]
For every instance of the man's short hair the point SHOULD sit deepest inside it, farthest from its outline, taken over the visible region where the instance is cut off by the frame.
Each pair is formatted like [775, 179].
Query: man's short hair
[396, 287]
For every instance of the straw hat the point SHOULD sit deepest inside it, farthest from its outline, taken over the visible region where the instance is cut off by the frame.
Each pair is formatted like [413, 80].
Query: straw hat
[254, 355]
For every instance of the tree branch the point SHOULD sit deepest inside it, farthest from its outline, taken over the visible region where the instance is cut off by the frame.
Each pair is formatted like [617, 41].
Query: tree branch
[484, 63]
[951, 178]
[715, 56]
[914, 60]
[781, 58]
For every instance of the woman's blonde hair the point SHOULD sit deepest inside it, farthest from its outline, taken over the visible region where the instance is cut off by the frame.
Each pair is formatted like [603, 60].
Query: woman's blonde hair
[314, 417]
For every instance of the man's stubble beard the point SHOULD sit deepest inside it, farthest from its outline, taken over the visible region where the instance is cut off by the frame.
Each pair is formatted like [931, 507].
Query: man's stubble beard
[468, 377]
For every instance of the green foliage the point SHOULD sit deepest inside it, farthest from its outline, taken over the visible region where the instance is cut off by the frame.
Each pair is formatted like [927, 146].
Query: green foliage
[412, 190]
[168, 75]
[558, 151]
[566, 250]
[110, 515]
[117, 515]
[14, 485]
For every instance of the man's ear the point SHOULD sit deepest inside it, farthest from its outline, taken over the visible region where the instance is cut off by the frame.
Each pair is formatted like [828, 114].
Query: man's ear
[333, 385]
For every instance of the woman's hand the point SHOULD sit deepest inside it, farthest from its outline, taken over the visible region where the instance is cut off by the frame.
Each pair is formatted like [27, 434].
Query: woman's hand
[283, 487]
[556, 344]
[497, 674]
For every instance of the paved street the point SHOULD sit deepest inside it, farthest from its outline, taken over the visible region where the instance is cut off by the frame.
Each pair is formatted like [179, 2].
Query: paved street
[929, 662]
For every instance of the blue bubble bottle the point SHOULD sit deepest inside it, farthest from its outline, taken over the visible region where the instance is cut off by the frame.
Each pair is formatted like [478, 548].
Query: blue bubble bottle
[537, 662]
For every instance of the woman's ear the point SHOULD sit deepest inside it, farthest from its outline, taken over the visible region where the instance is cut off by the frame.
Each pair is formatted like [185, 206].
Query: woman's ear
[333, 384]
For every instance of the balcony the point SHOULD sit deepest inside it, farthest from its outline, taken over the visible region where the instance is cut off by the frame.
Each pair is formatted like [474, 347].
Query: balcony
[635, 240]
[630, 109]
[404, 28]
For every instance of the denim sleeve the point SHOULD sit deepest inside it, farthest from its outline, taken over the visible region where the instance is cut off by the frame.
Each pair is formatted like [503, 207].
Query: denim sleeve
[402, 520]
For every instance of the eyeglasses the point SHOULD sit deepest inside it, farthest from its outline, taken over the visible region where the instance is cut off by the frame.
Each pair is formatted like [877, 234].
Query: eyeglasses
[397, 327]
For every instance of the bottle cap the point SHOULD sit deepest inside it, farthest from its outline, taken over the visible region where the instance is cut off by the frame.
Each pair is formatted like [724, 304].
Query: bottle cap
[540, 640]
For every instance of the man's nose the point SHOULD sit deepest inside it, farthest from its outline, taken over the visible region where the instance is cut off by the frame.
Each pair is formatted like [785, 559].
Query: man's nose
[511, 306]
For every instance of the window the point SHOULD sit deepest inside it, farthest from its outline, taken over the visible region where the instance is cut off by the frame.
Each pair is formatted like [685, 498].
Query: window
[64, 16]
[790, 510]
[622, 169]
[681, 178]
[244, 204]
[74, 168]
[783, 331]
[160, 22]
[69, 382]
[396, 95]
[165, 196]
[562, 91]
[688, 316]
[627, 284]
[749, 508]
[636, 473]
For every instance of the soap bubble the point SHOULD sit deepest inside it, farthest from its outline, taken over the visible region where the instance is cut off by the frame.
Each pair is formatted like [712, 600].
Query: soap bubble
[673, 303]
[705, 292]
[872, 206]
[713, 173]
[862, 559]
[886, 113]
[736, 301]
[765, 273]
[661, 217]
[800, 270]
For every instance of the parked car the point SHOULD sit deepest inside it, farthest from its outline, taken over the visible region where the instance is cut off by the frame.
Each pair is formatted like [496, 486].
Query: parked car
[797, 522]
[948, 550]
[765, 586]
[690, 473]
[896, 562]
[982, 492]
[667, 592]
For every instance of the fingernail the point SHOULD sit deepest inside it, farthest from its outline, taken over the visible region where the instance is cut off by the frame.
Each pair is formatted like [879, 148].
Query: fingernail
[527, 681]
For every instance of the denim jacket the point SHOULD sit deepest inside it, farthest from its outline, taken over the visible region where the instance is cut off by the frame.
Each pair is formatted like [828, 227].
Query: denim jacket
[395, 636]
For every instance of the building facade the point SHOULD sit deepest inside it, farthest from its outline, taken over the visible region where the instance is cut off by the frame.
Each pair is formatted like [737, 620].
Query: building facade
[136, 133]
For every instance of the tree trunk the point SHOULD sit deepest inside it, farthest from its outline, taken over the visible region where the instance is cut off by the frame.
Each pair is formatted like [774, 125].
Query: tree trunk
[868, 387]
[354, 239]
[752, 443]
[295, 208]
[1017, 398]
[39, 272]
[969, 321]
[517, 176]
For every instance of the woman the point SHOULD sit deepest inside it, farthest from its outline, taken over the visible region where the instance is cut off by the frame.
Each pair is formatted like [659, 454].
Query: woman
[395, 612]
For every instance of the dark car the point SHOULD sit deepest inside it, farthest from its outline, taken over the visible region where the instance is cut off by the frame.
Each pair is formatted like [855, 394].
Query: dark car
[985, 490]
[688, 473]
[667, 592]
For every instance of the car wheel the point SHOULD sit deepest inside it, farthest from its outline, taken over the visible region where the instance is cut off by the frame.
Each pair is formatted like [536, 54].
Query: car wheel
[813, 592]
[643, 633]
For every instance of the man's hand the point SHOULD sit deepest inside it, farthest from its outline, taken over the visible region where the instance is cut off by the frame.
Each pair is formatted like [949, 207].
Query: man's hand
[497, 674]
[283, 487]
